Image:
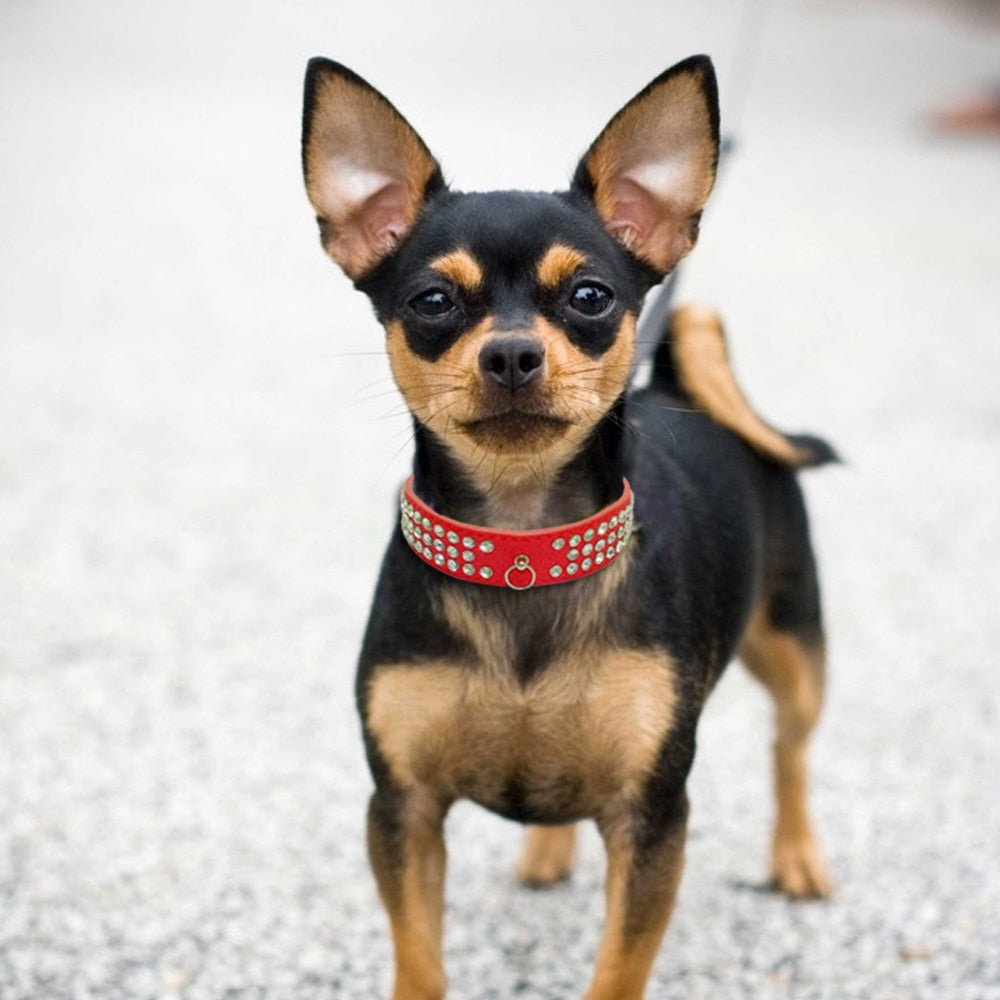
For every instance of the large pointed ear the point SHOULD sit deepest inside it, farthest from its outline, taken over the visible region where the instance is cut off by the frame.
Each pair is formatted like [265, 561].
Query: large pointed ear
[651, 170]
[367, 171]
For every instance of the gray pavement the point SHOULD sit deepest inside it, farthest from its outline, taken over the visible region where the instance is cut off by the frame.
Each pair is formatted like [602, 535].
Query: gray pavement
[199, 449]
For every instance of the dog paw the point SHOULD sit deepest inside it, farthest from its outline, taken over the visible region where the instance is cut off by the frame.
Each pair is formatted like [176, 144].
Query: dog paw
[797, 870]
[547, 856]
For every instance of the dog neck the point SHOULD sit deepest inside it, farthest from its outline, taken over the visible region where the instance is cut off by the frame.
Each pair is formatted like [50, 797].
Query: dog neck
[590, 480]
[518, 560]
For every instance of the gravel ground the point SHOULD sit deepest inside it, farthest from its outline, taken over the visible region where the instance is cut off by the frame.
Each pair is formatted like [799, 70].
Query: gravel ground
[199, 449]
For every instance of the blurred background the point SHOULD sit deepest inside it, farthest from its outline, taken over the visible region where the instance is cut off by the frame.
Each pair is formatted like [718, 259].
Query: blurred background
[200, 448]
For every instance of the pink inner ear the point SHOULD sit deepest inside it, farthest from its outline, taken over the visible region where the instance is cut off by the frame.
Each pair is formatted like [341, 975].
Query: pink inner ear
[373, 228]
[632, 212]
[651, 227]
[383, 217]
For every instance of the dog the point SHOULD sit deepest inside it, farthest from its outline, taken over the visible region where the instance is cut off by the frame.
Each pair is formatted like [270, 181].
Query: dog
[576, 560]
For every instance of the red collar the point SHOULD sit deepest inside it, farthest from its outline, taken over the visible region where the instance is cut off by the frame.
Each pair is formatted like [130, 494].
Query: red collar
[519, 560]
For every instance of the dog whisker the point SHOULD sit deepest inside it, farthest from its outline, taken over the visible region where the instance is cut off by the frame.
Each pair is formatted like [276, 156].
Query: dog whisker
[559, 702]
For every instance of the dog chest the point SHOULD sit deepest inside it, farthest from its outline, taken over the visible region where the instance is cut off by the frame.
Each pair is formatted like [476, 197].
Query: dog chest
[587, 728]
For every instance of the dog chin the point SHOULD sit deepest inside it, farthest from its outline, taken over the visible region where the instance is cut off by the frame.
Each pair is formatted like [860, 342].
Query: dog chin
[515, 431]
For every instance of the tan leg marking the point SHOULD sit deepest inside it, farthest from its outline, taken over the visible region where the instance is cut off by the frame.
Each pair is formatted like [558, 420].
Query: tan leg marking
[413, 895]
[793, 673]
[547, 855]
[594, 723]
[699, 350]
[640, 901]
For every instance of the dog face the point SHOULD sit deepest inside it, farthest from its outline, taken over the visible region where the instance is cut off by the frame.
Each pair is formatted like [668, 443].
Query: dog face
[510, 322]
[510, 316]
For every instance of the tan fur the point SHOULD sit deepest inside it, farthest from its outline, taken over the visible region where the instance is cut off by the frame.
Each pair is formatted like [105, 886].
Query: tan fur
[559, 263]
[574, 390]
[547, 854]
[580, 735]
[638, 908]
[650, 193]
[595, 720]
[793, 674]
[349, 168]
[413, 896]
[582, 614]
[699, 350]
[460, 267]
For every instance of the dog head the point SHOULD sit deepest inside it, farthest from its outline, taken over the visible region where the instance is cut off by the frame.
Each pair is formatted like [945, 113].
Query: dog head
[510, 316]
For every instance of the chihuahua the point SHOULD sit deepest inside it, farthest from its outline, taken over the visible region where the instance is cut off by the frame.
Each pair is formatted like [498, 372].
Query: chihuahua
[575, 560]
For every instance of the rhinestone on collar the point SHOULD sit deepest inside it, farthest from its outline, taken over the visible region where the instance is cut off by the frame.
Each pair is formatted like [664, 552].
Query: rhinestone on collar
[518, 560]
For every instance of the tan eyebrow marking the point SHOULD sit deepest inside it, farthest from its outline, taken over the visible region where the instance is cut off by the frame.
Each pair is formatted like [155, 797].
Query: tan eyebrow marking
[558, 264]
[460, 267]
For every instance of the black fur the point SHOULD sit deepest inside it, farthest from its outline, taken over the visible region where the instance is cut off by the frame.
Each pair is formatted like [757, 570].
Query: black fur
[721, 531]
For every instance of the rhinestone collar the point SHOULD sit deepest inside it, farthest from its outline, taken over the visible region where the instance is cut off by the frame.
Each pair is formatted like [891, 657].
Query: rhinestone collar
[519, 560]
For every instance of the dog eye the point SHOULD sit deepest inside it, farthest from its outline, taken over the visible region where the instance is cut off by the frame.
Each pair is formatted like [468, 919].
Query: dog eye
[432, 304]
[591, 299]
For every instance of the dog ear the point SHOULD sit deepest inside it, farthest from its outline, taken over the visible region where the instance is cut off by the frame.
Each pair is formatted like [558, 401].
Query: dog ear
[651, 170]
[367, 172]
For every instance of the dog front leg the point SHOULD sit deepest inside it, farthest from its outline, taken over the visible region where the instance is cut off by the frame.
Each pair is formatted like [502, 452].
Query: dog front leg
[407, 852]
[643, 875]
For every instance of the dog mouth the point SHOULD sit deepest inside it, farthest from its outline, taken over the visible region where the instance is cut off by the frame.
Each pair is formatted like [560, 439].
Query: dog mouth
[515, 429]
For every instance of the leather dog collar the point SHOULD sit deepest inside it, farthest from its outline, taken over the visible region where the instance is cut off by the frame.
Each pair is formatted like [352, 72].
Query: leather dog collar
[519, 560]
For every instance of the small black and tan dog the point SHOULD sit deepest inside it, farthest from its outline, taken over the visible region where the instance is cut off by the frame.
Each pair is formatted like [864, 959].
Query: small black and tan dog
[576, 561]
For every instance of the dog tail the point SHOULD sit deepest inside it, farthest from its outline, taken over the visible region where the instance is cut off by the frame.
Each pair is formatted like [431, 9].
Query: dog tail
[693, 359]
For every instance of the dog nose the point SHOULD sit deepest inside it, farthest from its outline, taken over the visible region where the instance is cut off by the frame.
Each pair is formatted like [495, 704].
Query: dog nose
[512, 362]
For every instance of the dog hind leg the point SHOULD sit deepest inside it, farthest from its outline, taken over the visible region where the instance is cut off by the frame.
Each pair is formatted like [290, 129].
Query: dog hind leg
[547, 855]
[791, 666]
